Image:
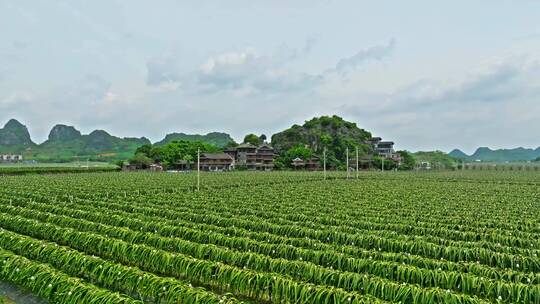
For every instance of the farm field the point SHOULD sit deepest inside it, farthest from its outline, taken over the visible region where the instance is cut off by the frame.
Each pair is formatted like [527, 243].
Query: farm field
[426, 237]
[48, 168]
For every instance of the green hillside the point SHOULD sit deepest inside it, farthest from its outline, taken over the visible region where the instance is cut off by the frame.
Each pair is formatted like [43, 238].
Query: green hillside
[436, 159]
[486, 154]
[332, 132]
[215, 138]
[65, 143]
[15, 138]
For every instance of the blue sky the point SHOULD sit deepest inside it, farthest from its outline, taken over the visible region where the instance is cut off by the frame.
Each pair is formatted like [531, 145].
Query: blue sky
[428, 75]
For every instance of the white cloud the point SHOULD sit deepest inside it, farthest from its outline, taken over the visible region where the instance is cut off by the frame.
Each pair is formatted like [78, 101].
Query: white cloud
[493, 105]
[373, 53]
[248, 72]
[163, 70]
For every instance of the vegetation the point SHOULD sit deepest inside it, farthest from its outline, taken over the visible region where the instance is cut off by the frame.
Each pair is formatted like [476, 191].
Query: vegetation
[171, 154]
[29, 170]
[273, 237]
[436, 159]
[331, 133]
[408, 162]
[14, 138]
[285, 159]
[215, 138]
[67, 144]
[254, 139]
[500, 155]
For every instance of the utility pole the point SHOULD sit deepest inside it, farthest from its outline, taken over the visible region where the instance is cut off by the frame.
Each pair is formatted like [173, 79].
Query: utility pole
[324, 162]
[356, 162]
[347, 155]
[198, 169]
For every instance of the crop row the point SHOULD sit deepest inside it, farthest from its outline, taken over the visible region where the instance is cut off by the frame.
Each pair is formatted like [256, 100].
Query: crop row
[309, 272]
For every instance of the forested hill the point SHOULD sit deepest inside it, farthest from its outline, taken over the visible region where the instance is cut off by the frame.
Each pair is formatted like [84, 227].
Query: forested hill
[499, 155]
[14, 137]
[66, 143]
[215, 138]
[332, 132]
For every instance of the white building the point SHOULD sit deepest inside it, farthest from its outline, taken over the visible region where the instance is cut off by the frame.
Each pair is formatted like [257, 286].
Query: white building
[12, 158]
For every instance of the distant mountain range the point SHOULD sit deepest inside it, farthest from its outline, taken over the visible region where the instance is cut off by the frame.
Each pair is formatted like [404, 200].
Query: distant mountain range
[65, 143]
[500, 155]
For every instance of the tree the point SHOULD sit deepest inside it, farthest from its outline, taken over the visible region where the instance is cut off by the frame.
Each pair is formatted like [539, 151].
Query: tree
[174, 152]
[141, 161]
[119, 163]
[262, 138]
[252, 139]
[388, 163]
[408, 161]
[285, 160]
[326, 132]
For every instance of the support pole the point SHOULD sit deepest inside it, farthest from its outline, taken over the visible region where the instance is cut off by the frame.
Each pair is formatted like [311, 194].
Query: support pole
[198, 169]
[324, 162]
[347, 155]
[357, 162]
[382, 163]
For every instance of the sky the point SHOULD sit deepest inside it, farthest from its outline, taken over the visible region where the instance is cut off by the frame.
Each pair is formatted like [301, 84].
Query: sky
[426, 74]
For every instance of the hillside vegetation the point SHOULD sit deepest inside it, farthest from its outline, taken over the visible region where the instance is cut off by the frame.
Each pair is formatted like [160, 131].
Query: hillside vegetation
[66, 143]
[500, 155]
[330, 132]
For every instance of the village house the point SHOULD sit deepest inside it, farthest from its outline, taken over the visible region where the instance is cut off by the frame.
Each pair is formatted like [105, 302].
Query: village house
[252, 157]
[216, 162]
[384, 149]
[311, 164]
[11, 158]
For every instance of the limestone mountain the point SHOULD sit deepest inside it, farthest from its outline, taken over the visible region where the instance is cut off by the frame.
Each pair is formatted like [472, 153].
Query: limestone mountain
[332, 132]
[63, 133]
[456, 153]
[66, 143]
[14, 137]
[499, 155]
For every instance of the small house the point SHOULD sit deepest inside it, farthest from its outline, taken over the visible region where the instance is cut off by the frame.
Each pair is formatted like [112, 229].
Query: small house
[216, 162]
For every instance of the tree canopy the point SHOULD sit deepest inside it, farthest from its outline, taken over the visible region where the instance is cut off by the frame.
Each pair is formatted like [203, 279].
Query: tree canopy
[332, 133]
[172, 153]
[253, 139]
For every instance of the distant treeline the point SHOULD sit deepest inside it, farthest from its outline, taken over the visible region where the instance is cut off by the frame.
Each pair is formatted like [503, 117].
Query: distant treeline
[53, 170]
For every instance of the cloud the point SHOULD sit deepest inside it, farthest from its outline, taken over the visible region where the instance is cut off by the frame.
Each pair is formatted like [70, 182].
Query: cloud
[374, 53]
[490, 105]
[250, 72]
[497, 82]
[163, 69]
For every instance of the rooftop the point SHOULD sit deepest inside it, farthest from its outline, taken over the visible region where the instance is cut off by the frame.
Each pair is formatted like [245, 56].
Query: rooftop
[217, 156]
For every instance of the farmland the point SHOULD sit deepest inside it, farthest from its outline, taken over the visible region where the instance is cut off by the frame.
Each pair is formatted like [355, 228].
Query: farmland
[443, 237]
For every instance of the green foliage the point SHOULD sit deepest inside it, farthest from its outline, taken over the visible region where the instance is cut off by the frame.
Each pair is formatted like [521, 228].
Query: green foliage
[46, 169]
[388, 163]
[170, 154]
[408, 162]
[252, 139]
[285, 159]
[13, 136]
[215, 138]
[141, 161]
[332, 133]
[437, 159]
[273, 237]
